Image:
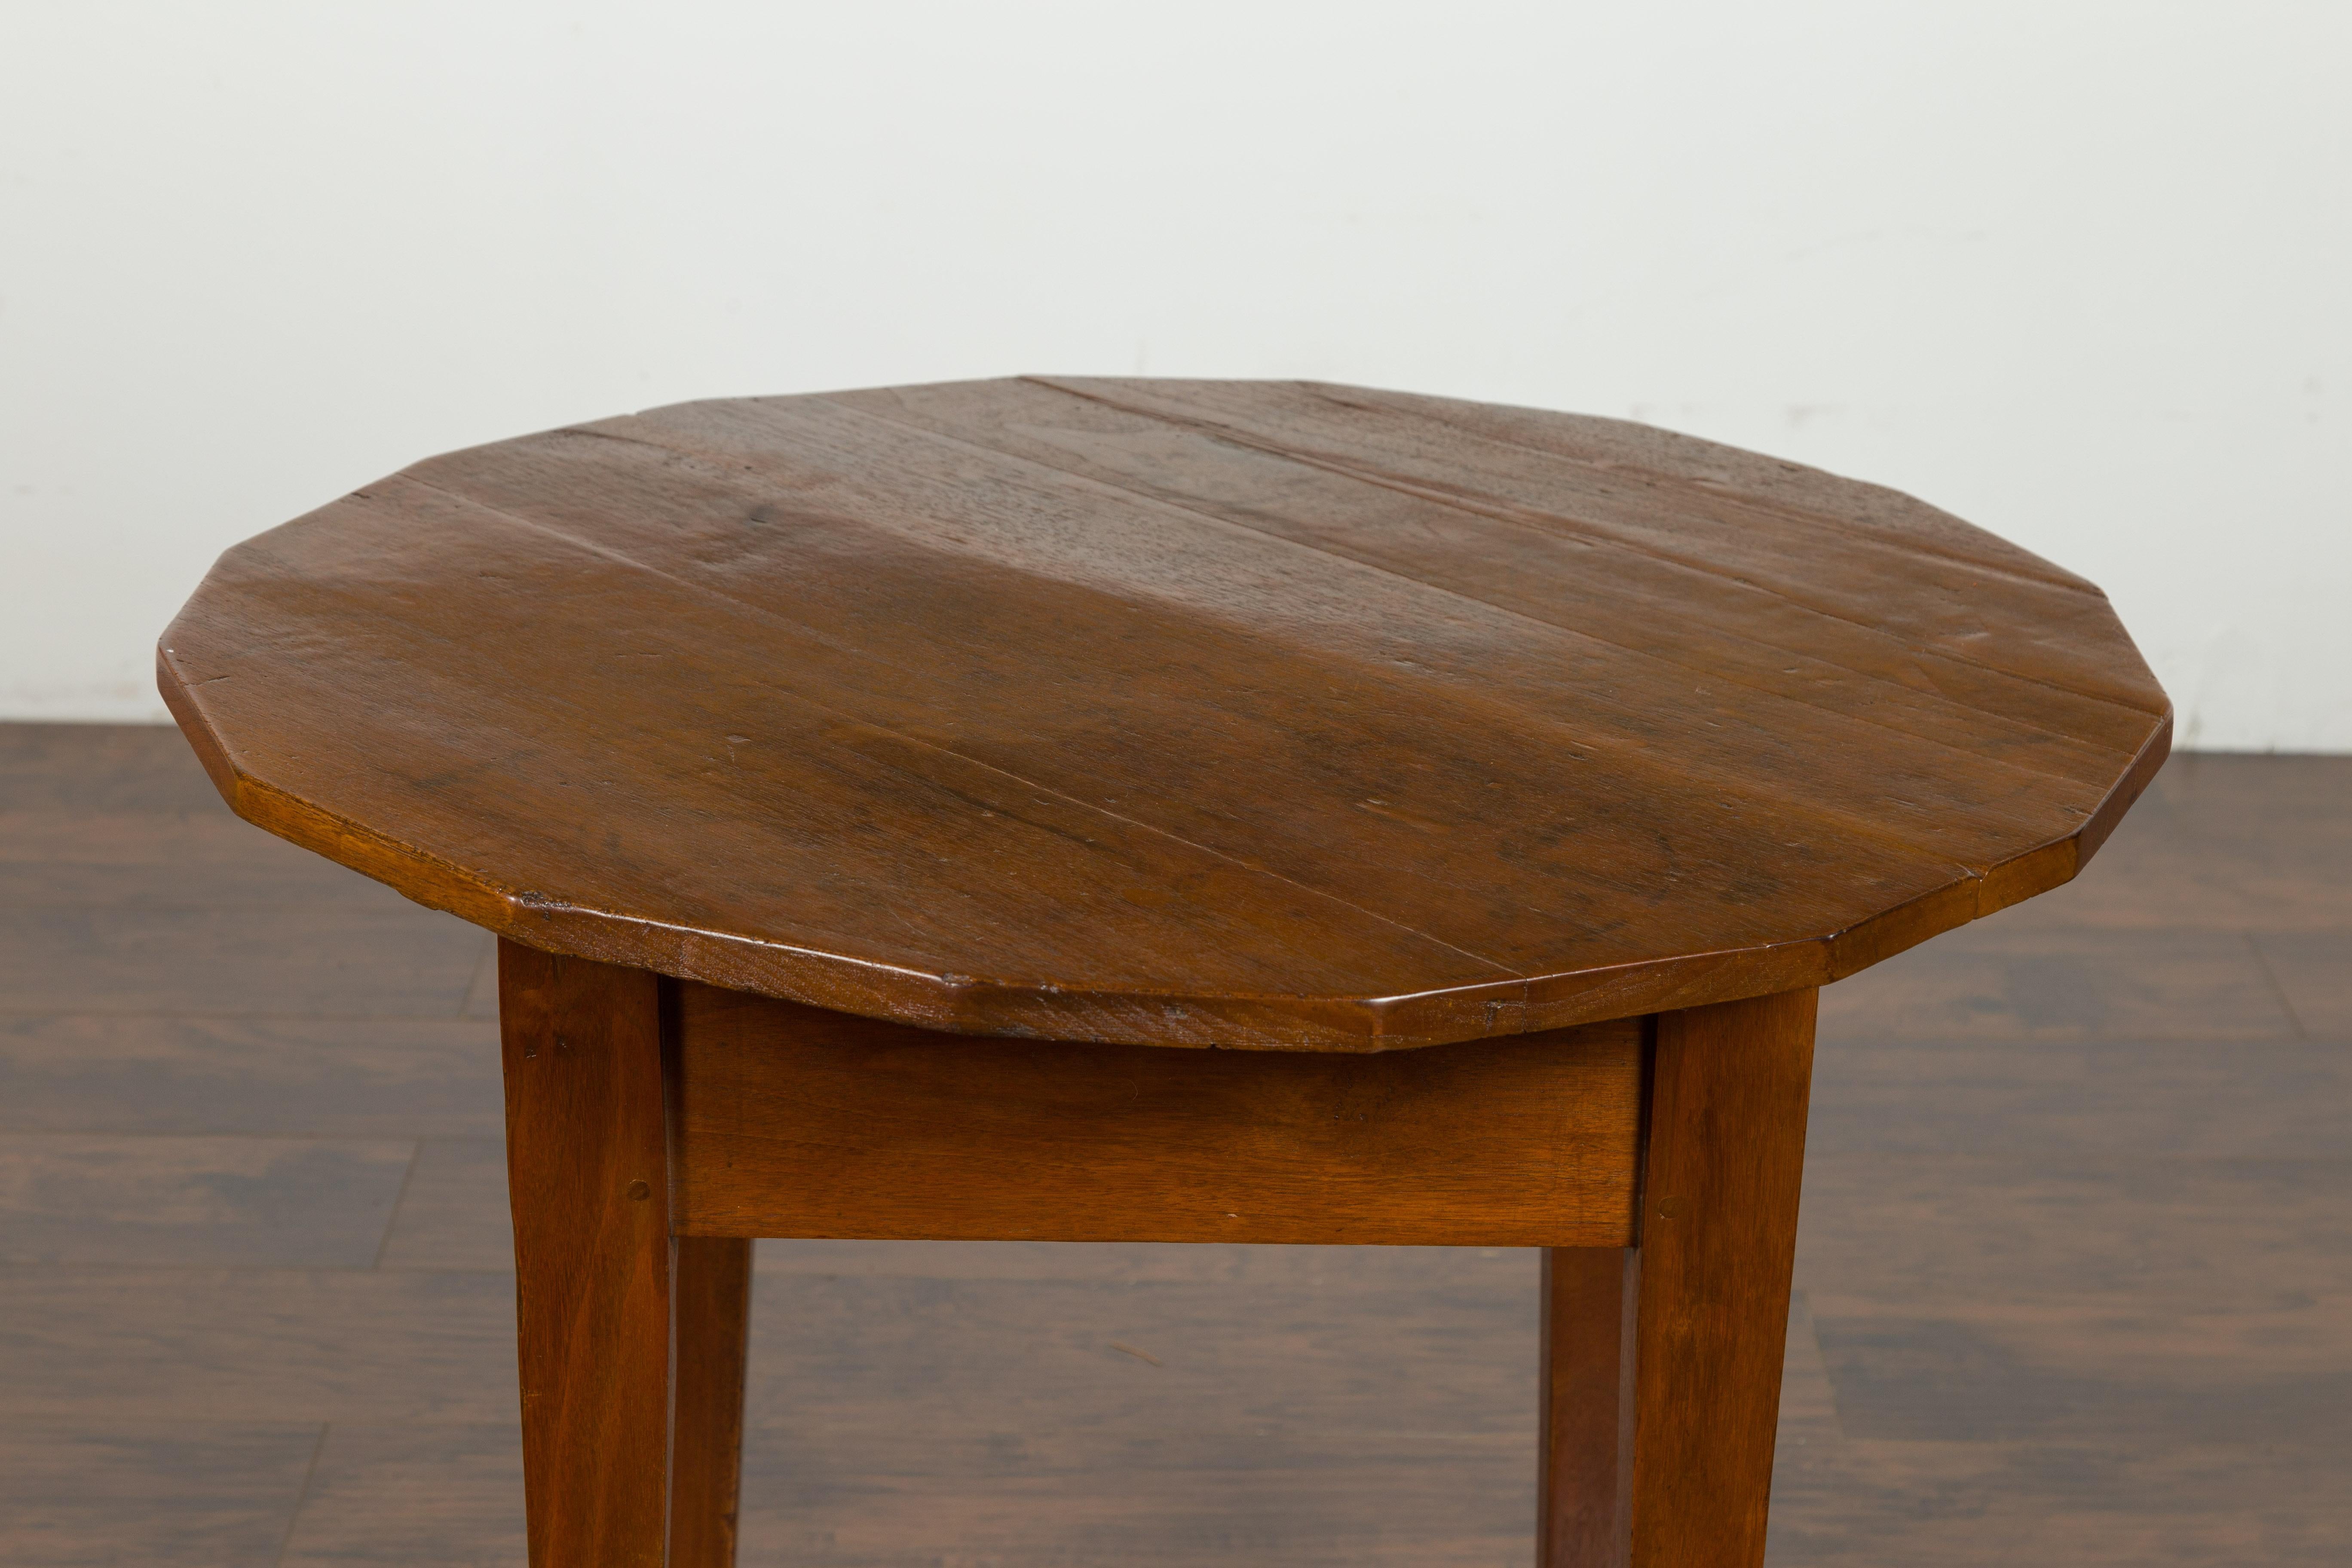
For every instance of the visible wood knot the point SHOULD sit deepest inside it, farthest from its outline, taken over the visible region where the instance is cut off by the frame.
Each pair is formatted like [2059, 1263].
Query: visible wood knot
[1670, 1208]
[641, 1189]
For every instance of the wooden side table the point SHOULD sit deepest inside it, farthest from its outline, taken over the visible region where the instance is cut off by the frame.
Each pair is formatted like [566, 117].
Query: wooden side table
[1167, 811]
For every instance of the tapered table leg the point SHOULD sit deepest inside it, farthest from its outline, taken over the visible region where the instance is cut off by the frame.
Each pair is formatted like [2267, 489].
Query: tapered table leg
[1585, 1440]
[1702, 1305]
[588, 1163]
[713, 1319]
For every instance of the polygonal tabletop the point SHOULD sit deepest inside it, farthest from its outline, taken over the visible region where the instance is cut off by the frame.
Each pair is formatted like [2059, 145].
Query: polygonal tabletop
[1252, 714]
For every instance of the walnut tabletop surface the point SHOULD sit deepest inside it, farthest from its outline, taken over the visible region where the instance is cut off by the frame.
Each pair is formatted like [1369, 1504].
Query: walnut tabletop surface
[1262, 715]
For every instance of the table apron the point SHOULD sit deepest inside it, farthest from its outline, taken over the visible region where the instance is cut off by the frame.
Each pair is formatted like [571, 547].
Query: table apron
[788, 1121]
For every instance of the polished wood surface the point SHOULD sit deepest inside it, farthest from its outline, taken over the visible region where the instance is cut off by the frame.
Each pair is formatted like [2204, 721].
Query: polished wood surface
[588, 1172]
[1663, 1329]
[1662, 1362]
[1589, 1301]
[712, 1312]
[2073, 1275]
[1726, 1156]
[1170, 713]
[794, 1120]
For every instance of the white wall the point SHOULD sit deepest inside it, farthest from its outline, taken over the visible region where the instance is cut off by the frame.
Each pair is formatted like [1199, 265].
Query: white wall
[2081, 272]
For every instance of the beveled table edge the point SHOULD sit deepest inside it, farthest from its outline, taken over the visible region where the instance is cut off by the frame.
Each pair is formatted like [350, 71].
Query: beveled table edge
[965, 1005]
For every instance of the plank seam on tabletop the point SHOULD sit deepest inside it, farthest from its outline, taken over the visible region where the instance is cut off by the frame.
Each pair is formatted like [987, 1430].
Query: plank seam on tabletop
[297, 818]
[1387, 402]
[1620, 750]
[1535, 516]
[502, 910]
[1330, 393]
[757, 614]
[1521, 488]
[1585, 634]
[1528, 519]
[306, 815]
[1830, 814]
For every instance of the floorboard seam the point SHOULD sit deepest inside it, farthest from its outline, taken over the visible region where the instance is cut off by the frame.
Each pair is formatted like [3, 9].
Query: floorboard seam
[302, 1495]
[392, 1220]
[2263, 962]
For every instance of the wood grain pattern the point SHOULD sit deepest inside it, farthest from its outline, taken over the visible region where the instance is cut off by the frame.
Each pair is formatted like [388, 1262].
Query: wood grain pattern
[2005, 982]
[714, 1340]
[1726, 1157]
[337, 1078]
[285, 961]
[108, 1344]
[1177, 713]
[587, 1170]
[2313, 970]
[161, 1494]
[1584, 1432]
[144, 1201]
[794, 1122]
[445, 1222]
[1980, 1215]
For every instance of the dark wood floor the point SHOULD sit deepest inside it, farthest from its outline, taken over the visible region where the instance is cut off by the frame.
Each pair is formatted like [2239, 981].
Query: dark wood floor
[2076, 1273]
